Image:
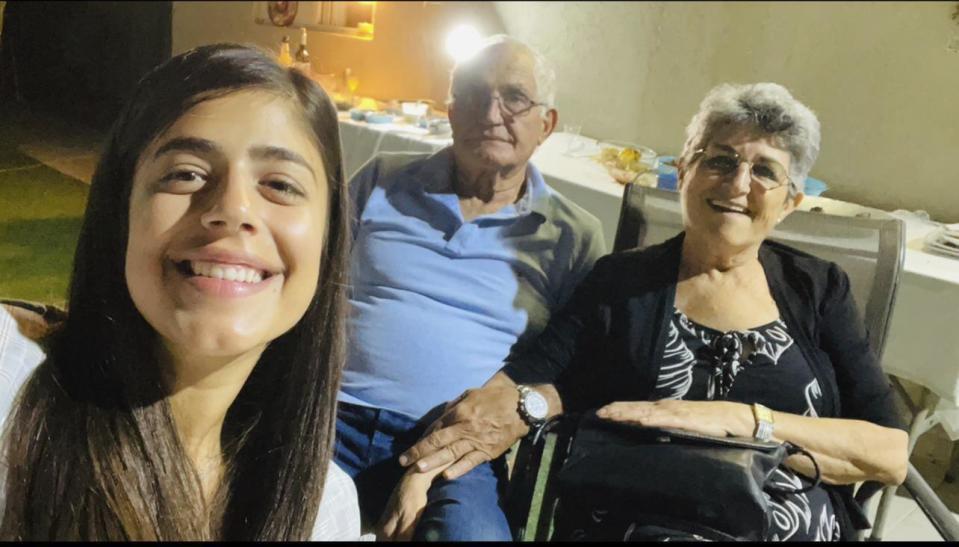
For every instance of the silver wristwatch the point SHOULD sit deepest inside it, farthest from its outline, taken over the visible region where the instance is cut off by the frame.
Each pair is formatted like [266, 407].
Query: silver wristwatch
[533, 407]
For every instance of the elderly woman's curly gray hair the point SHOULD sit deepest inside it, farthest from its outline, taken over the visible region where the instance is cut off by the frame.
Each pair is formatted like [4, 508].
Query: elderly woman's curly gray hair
[766, 107]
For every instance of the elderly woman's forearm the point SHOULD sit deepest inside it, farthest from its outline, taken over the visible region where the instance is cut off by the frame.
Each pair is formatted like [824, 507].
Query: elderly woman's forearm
[847, 451]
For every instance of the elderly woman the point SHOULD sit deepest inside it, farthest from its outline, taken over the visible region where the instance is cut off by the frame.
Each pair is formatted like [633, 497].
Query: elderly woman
[708, 331]
[190, 393]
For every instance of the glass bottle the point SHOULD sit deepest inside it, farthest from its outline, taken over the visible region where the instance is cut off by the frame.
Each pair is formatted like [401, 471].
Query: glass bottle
[285, 59]
[352, 83]
[301, 60]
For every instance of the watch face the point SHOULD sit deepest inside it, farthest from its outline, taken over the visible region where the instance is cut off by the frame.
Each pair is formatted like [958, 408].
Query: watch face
[536, 405]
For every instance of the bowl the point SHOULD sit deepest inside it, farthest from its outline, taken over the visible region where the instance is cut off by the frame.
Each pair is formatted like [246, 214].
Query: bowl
[379, 117]
[667, 174]
[814, 187]
[416, 109]
[626, 162]
[358, 114]
[439, 127]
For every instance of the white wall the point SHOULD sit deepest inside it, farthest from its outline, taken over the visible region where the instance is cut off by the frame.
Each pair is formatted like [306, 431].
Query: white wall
[405, 60]
[879, 75]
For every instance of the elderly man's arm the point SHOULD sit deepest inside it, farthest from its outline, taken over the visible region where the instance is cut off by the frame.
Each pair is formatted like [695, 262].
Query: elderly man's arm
[478, 427]
[482, 424]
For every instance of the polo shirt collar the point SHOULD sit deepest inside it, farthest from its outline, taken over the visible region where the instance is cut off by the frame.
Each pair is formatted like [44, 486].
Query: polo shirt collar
[537, 193]
[436, 176]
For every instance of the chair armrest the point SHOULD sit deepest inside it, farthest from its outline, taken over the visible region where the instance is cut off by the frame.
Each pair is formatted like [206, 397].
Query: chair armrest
[526, 471]
[34, 320]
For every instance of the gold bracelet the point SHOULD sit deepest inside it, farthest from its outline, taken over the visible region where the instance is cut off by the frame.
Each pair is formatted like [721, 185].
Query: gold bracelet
[764, 422]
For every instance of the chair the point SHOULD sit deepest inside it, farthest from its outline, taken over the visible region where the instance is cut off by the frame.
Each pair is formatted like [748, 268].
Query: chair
[35, 320]
[869, 250]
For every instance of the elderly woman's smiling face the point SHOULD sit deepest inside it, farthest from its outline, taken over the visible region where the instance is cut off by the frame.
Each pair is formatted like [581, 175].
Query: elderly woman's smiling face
[735, 211]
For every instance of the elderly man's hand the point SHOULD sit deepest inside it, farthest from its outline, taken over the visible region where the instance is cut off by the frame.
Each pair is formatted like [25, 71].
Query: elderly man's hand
[478, 427]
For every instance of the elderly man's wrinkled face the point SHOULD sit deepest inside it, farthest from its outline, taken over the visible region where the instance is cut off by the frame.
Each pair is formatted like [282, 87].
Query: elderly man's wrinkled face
[735, 210]
[495, 120]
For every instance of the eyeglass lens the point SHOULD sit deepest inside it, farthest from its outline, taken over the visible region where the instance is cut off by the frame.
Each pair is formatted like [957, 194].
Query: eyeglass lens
[769, 174]
[512, 101]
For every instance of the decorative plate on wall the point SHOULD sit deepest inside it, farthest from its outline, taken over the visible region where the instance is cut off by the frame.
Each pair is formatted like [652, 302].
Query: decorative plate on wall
[282, 13]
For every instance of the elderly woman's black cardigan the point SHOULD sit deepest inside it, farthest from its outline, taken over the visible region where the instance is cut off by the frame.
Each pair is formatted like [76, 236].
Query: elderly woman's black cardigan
[607, 344]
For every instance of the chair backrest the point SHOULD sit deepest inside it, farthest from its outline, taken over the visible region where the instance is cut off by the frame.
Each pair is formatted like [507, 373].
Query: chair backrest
[870, 250]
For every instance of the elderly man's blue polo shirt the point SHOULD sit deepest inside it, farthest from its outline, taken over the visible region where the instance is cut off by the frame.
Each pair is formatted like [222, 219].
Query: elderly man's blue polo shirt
[438, 303]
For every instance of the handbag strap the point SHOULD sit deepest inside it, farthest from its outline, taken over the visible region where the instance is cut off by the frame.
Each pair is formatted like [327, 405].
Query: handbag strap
[792, 449]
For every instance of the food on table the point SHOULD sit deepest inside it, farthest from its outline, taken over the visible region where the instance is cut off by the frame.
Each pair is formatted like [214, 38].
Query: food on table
[624, 164]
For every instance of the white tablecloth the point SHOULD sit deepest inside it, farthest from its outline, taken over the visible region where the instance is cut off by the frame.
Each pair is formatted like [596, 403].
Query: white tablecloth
[923, 343]
[362, 140]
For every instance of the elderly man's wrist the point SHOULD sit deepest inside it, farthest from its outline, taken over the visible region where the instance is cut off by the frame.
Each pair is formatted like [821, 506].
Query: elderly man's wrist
[532, 405]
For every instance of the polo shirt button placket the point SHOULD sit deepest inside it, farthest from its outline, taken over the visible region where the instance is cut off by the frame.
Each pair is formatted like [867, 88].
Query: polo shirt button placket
[461, 238]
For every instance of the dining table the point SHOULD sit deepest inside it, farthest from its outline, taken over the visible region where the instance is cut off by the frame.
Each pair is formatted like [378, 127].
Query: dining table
[923, 340]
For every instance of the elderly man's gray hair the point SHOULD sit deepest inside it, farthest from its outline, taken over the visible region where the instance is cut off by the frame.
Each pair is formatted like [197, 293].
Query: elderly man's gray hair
[766, 107]
[543, 72]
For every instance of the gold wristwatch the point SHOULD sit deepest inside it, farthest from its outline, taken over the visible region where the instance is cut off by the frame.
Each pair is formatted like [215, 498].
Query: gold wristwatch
[764, 422]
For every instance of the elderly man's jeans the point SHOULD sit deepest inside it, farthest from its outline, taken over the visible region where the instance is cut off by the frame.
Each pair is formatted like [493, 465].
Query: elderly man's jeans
[368, 443]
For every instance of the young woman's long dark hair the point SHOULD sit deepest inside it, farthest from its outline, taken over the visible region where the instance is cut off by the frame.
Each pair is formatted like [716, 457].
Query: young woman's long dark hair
[91, 447]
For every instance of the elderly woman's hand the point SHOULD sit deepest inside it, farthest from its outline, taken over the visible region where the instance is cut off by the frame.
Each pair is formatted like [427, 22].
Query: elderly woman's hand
[716, 418]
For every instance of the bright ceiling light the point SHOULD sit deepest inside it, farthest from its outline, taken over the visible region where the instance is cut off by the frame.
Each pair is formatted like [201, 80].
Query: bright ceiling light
[463, 42]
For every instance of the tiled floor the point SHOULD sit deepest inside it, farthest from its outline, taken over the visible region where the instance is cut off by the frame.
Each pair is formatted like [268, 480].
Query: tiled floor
[932, 457]
[73, 151]
[906, 522]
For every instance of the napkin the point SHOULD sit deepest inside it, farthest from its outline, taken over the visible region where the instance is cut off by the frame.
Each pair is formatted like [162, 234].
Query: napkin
[944, 241]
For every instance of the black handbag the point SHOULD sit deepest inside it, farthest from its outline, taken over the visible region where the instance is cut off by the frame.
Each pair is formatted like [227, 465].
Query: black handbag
[675, 484]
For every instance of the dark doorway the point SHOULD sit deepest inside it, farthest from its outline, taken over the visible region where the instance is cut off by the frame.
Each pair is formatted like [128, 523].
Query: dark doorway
[81, 60]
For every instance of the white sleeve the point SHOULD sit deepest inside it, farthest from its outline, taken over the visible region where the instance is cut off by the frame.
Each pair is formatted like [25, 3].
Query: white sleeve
[339, 515]
[19, 356]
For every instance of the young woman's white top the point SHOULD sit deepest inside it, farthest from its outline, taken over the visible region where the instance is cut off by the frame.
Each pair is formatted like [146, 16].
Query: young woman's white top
[339, 514]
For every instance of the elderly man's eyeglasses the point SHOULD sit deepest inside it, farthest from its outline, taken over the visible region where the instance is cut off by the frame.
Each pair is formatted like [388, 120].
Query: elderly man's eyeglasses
[511, 103]
[768, 173]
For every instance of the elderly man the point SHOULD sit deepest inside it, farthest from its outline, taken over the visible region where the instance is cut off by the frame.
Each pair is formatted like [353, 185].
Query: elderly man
[458, 257]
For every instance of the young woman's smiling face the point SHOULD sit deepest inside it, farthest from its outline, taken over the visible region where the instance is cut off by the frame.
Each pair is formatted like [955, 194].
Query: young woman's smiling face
[228, 214]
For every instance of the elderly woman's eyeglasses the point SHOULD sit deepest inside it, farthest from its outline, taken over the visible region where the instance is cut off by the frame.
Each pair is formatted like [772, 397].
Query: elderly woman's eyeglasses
[769, 174]
[511, 102]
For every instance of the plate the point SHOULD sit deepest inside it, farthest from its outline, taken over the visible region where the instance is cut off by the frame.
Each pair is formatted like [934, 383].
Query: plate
[938, 242]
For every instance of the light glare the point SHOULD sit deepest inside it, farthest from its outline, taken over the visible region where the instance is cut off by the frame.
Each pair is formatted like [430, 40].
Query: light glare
[462, 42]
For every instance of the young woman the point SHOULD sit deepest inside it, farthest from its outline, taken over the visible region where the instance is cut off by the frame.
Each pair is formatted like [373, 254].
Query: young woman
[190, 393]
